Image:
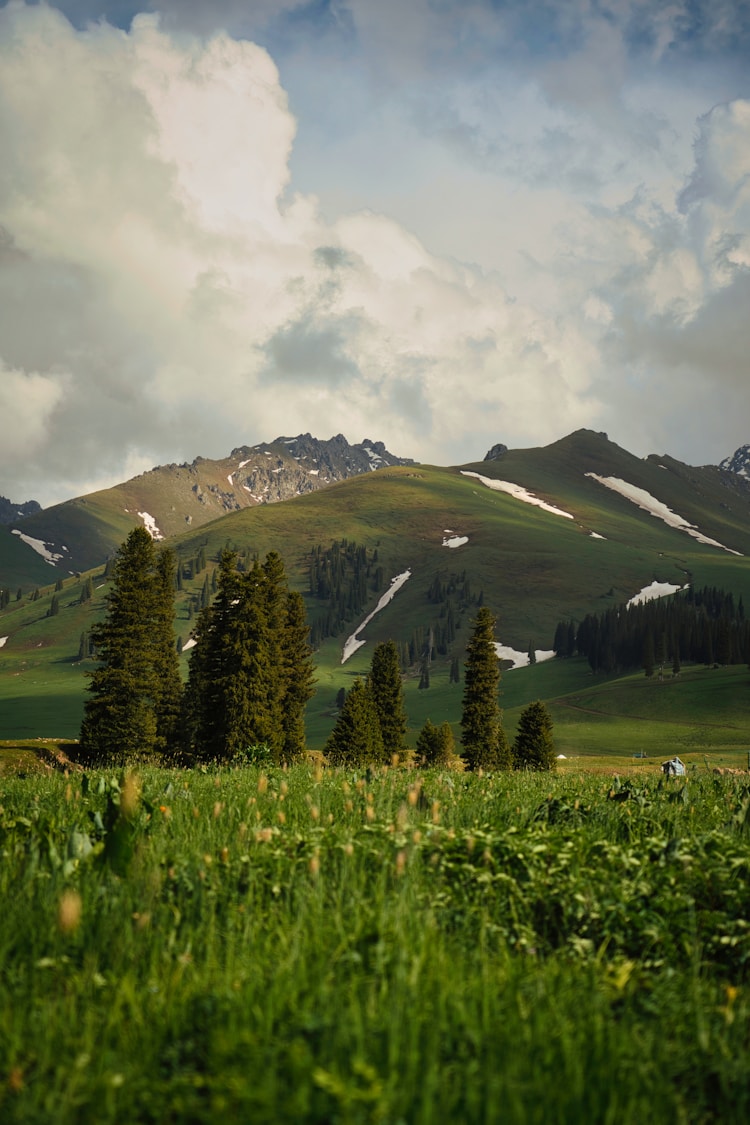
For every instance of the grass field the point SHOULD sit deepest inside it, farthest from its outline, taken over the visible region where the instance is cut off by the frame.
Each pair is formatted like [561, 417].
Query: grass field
[320, 946]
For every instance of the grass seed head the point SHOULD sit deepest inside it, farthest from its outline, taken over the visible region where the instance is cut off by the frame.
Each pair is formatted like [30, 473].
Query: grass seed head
[69, 912]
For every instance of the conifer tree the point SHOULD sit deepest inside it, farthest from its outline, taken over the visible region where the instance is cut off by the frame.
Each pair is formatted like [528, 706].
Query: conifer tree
[250, 673]
[298, 677]
[356, 739]
[484, 743]
[128, 712]
[533, 748]
[387, 690]
[435, 745]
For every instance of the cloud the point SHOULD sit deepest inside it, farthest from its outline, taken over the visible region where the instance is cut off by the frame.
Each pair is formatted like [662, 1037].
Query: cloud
[492, 226]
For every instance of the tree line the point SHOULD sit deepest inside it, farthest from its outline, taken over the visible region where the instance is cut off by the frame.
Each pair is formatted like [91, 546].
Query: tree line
[703, 626]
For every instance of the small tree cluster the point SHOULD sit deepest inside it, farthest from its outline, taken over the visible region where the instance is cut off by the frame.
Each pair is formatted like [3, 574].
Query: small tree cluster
[370, 728]
[436, 746]
[250, 673]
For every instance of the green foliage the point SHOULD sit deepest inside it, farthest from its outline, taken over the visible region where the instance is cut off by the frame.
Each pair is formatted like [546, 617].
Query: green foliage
[356, 739]
[387, 692]
[485, 745]
[436, 746]
[134, 693]
[533, 748]
[250, 672]
[398, 948]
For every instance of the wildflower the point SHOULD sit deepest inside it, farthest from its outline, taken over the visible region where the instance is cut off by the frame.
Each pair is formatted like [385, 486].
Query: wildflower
[370, 813]
[166, 811]
[69, 912]
[315, 865]
[224, 855]
[314, 812]
[262, 783]
[400, 862]
[281, 817]
[417, 836]
[348, 848]
[436, 812]
[217, 809]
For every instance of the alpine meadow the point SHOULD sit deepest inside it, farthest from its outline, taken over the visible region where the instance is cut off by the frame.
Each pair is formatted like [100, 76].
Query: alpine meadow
[349, 807]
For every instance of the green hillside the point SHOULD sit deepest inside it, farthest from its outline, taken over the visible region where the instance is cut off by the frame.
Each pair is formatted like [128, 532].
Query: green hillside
[533, 568]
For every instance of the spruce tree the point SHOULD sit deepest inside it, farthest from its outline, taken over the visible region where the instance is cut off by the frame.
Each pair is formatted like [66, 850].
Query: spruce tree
[356, 739]
[387, 690]
[298, 677]
[484, 743]
[533, 748]
[435, 745]
[130, 697]
[250, 672]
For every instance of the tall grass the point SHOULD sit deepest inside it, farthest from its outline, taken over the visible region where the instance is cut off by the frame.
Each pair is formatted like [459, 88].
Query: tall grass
[316, 946]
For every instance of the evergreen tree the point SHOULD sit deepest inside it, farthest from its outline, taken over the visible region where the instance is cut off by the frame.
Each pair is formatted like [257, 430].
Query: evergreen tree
[87, 591]
[484, 743]
[250, 674]
[54, 606]
[168, 692]
[435, 745]
[356, 739]
[298, 677]
[127, 712]
[533, 748]
[532, 653]
[387, 691]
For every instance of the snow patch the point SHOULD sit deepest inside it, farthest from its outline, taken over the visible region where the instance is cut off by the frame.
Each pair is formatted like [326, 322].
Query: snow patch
[39, 546]
[656, 508]
[353, 642]
[519, 493]
[150, 524]
[314, 472]
[456, 541]
[242, 464]
[596, 535]
[521, 659]
[191, 643]
[229, 478]
[654, 590]
[2, 641]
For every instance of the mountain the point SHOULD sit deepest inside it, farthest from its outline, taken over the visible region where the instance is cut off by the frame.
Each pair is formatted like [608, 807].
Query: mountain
[12, 513]
[738, 463]
[79, 534]
[541, 535]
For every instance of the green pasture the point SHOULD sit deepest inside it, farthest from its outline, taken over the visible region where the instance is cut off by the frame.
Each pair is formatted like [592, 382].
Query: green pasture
[314, 946]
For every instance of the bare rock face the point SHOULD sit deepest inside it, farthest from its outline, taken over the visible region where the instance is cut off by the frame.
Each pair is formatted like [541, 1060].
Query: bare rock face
[292, 466]
[496, 452]
[11, 513]
[738, 463]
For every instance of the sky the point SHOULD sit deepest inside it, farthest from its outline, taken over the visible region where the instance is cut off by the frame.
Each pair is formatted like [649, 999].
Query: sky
[441, 224]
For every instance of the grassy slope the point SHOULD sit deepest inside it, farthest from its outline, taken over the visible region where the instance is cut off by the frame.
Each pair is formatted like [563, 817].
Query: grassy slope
[534, 569]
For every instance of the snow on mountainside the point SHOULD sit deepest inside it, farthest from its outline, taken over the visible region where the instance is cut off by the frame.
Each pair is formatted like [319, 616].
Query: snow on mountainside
[738, 463]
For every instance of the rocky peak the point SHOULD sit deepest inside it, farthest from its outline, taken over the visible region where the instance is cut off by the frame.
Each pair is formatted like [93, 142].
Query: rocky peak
[10, 512]
[496, 452]
[738, 463]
